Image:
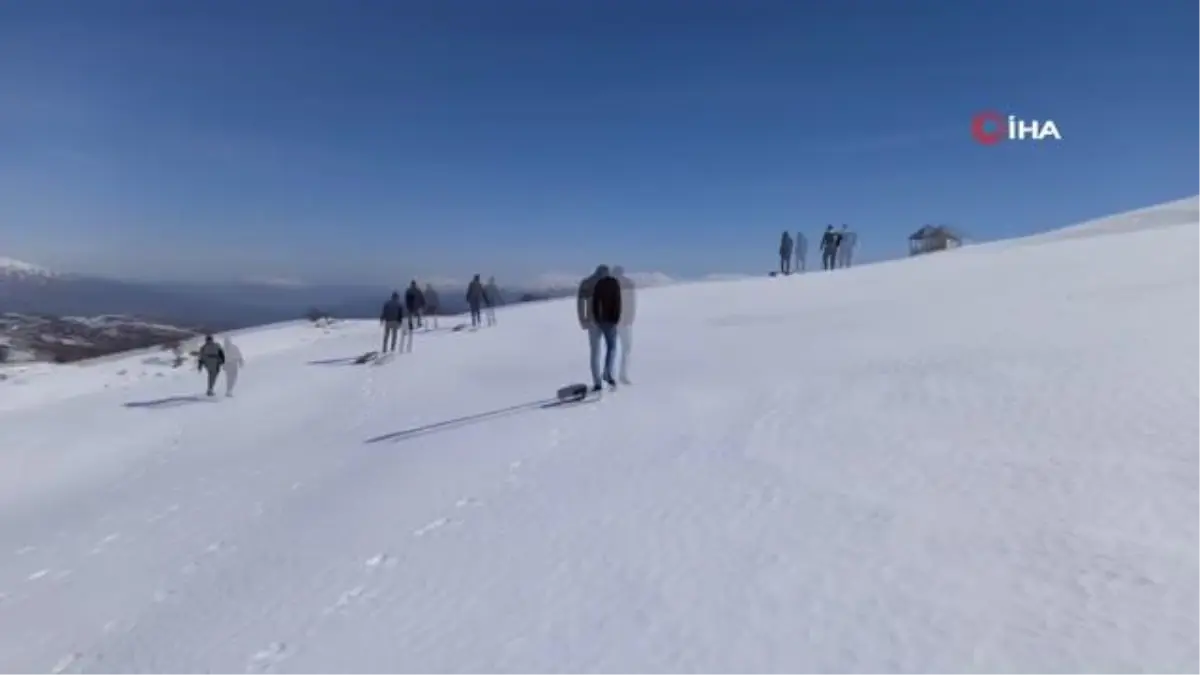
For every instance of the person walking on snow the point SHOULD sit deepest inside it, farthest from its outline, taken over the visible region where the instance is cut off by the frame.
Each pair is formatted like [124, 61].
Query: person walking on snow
[606, 312]
[625, 325]
[801, 252]
[846, 241]
[414, 302]
[598, 308]
[491, 298]
[390, 318]
[233, 364]
[475, 295]
[431, 304]
[210, 358]
[829, 246]
[785, 253]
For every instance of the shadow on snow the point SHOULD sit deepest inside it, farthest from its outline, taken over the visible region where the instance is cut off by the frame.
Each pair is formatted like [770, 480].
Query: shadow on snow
[343, 361]
[467, 420]
[169, 402]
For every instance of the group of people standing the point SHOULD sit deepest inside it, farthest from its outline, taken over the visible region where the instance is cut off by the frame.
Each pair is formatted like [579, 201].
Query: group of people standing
[606, 306]
[419, 309]
[837, 250]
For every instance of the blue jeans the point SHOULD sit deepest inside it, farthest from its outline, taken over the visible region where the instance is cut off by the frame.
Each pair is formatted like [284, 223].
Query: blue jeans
[609, 332]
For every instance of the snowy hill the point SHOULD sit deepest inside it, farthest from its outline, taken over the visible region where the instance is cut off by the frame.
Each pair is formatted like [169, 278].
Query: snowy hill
[12, 269]
[983, 460]
[1166, 215]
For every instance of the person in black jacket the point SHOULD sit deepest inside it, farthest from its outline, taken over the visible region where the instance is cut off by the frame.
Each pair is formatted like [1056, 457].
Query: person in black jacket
[606, 316]
[414, 302]
[390, 318]
[829, 248]
[475, 295]
[210, 357]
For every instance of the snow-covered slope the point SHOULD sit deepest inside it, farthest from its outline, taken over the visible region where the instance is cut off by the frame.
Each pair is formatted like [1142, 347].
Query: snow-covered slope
[1166, 215]
[982, 462]
[11, 268]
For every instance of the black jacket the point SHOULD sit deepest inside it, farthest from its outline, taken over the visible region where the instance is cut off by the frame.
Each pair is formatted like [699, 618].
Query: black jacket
[393, 310]
[606, 301]
[414, 299]
[830, 241]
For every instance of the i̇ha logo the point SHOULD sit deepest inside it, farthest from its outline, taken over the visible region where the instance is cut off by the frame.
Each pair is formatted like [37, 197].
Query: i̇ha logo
[990, 127]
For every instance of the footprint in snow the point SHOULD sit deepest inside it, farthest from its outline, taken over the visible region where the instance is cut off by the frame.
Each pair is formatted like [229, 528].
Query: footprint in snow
[346, 599]
[72, 663]
[99, 547]
[37, 575]
[381, 561]
[264, 659]
[25, 550]
[467, 501]
[430, 527]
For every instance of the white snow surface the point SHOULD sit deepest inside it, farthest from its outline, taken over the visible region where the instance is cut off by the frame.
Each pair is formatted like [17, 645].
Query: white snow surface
[982, 460]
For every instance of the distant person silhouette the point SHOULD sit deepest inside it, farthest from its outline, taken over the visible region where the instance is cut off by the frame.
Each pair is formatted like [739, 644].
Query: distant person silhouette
[475, 295]
[829, 246]
[785, 253]
[414, 302]
[801, 252]
[390, 318]
[210, 358]
[846, 241]
[491, 298]
[233, 364]
[432, 304]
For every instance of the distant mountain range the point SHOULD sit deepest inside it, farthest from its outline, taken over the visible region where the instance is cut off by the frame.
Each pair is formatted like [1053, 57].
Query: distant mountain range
[32, 290]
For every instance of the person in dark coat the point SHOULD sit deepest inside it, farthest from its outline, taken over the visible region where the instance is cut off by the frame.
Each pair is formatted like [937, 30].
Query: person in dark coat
[390, 318]
[432, 304]
[210, 358]
[829, 248]
[475, 295]
[491, 298]
[785, 253]
[605, 312]
[414, 302]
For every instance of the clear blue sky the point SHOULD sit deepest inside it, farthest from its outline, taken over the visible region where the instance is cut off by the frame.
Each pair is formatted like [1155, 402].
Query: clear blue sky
[357, 140]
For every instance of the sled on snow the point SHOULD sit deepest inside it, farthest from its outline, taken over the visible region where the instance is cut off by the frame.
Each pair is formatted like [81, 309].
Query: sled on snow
[573, 393]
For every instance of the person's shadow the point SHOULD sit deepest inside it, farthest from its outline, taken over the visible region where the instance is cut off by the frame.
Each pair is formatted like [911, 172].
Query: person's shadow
[467, 420]
[169, 402]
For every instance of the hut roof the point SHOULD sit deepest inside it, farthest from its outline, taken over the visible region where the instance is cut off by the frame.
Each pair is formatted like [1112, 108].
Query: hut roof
[930, 231]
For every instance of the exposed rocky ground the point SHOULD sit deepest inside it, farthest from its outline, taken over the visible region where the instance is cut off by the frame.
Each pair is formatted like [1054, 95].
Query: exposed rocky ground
[28, 337]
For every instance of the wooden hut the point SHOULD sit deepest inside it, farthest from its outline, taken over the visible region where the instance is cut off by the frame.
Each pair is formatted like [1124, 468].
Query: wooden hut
[932, 238]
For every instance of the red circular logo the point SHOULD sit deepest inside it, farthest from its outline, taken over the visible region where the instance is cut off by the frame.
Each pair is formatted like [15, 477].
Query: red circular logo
[988, 127]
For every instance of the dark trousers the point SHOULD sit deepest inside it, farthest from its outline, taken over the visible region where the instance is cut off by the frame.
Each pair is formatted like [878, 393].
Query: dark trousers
[390, 331]
[213, 371]
[828, 258]
[476, 318]
[785, 263]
